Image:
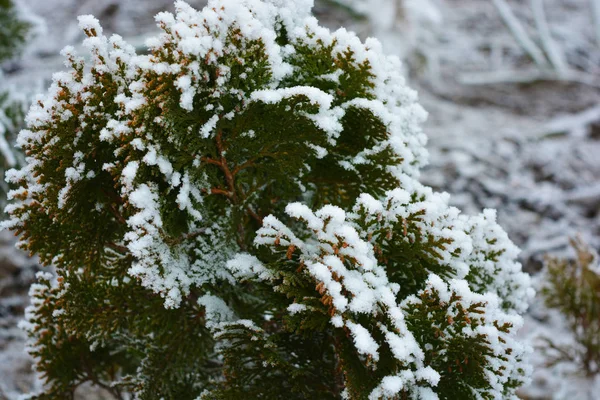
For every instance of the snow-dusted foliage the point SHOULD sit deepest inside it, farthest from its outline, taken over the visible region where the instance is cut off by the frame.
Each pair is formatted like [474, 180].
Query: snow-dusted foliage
[209, 75]
[12, 111]
[13, 34]
[154, 184]
[407, 276]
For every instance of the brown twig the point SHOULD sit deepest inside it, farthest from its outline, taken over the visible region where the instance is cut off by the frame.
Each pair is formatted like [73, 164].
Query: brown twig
[222, 192]
[225, 168]
[117, 214]
[254, 215]
[212, 161]
[118, 248]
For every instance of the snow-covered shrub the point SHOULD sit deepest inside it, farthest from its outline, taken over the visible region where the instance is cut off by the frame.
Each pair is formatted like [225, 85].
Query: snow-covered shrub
[573, 288]
[173, 192]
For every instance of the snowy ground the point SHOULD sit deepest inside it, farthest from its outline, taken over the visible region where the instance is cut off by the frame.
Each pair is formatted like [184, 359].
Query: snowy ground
[531, 150]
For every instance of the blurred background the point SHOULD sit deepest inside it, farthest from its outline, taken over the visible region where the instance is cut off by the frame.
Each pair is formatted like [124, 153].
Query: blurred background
[513, 92]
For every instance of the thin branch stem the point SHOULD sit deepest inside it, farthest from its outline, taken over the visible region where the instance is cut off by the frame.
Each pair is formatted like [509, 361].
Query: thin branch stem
[232, 194]
[118, 248]
[116, 214]
[212, 161]
[224, 167]
[221, 192]
[254, 215]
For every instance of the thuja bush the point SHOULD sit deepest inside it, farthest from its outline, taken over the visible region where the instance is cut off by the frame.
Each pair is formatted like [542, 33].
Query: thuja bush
[237, 215]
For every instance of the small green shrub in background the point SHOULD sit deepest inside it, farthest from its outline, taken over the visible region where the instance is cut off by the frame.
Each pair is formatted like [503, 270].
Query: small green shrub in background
[573, 288]
[13, 35]
[13, 30]
[12, 115]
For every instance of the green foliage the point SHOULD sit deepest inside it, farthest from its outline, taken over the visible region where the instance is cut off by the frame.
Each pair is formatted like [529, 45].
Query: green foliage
[337, 285]
[573, 288]
[463, 360]
[63, 358]
[12, 114]
[152, 186]
[274, 365]
[13, 31]
[13, 35]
